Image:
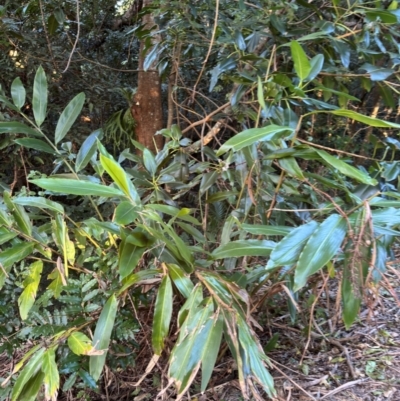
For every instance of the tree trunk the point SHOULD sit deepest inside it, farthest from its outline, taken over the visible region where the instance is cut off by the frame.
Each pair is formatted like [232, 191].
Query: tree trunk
[147, 105]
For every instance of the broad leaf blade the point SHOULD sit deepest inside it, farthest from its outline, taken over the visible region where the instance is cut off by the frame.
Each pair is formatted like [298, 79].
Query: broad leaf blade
[102, 335]
[13, 255]
[31, 284]
[68, 116]
[210, 351]
[87, 150]
[18, 92]
[79, 343]
[250, 247]
[182, 282]
[31, 368]
[346, 169]
[39, 100]
[252, 135]
[301, 64]
[372, 122]
[75, 187]
[37, 201]
[129, 259]
[162, 315]
[321, 247]
[36, 144]
[14, 127]
[288, 249]
[51, 376]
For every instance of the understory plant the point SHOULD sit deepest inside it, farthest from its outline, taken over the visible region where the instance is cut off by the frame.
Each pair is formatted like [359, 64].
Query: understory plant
[203, 235]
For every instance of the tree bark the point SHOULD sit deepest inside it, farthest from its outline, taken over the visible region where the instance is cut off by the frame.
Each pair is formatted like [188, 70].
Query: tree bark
[147, 103]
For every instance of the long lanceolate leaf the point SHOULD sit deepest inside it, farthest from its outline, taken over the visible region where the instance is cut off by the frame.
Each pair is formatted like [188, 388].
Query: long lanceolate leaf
[188, 351]
[51, 376]
[288, 250]
[68, 116]
[162, 315]
[31, 368]
[250, 136]
[301, 64]
[102, 335]
[320, 248]
[39, 100]
[75, 187]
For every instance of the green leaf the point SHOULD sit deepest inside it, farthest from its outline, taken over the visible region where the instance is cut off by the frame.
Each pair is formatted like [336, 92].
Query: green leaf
[79, 343]
[14, 127]
[31, 368]
[257, 229]
[207, 180]
[301, 64]
[75, 187]
[149, 162]
[180, 279]
[56, 285]
[39, 99]
[288, 249]
[125, 213]
[68, 116]
[31, 284]
[137, 278]
[101, 337]
[119, 176]
[250, 247]
[87, 150]
[210, 351]
[316, 63]
[18, 92]
[174, 212]
[129, 259]
[52, 24]
[6, 235]
[162, 315]
[372, 122]
[346, 169]
[32, 387]
[186, 355]
[252, 135]
[36, 144]
[351, 303]
[51, 376]
[13, 255]
[290, 165]
[37, 201]
[321, 247]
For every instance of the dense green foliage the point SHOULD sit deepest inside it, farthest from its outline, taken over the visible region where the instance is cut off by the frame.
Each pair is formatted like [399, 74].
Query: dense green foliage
[300, 186]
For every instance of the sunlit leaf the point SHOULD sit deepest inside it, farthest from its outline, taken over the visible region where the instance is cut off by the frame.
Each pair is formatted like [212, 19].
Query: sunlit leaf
[39, 99]
[31, 284]
[68, 116]
[79, 343]
[18, 92]
[301, 64]
[51, 376]
[87, 150]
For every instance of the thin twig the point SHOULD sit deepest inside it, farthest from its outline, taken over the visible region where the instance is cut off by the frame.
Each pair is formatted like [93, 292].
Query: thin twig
[77, 36]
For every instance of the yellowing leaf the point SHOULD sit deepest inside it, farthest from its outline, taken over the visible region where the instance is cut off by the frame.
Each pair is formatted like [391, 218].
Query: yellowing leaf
[31, 284]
